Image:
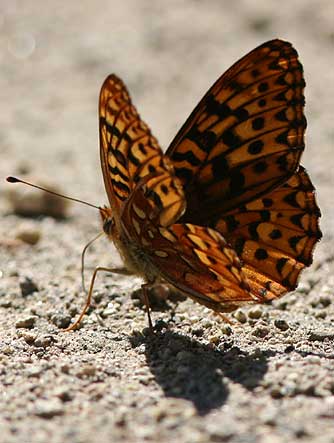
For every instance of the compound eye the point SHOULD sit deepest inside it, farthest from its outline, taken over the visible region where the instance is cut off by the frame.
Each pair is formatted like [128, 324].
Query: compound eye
[108, 225]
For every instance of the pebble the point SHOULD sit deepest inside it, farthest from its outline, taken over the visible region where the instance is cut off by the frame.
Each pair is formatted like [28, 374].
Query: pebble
[198, 332]
[325, 300]
[34, 371]
[60, 320]
[226, 329]
[206, 323]
[215, 339]
[320, 335]
[240, 316]
[29, 235]
[8, 350]
[27, 286]
[65, 368]
[43, 341]
[30, 202]
[269, 416]
[255, 313]
[281, 324]
[87, 370]
[110, 310]
[26, 322]
[48, 408]
[28, 337]
[261, 331]
[219, 433]
[321, 314]
[63, 393]
[276, 392]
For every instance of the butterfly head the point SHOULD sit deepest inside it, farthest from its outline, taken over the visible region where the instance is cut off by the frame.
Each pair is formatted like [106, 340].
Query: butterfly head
[108, 220]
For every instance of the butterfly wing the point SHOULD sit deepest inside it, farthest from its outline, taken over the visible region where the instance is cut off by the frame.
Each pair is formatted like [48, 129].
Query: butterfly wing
[128, 150]
[194, 259]
[237, 155]
[275, 235]
[246, 135]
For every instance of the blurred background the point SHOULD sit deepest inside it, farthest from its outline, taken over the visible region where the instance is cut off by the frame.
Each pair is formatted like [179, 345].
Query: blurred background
[55, 55]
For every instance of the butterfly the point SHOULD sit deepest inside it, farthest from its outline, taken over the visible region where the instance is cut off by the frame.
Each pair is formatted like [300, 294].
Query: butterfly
[227, 215]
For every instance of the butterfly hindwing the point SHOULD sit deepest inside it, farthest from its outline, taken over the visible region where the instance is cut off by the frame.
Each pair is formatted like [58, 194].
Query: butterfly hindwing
[194, 259]
[275, 235]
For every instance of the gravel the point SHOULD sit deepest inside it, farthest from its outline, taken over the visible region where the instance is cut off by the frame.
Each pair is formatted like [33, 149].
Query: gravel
[268, 377]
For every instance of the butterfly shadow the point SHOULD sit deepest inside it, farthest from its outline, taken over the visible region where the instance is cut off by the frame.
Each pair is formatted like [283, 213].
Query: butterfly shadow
[188, 369]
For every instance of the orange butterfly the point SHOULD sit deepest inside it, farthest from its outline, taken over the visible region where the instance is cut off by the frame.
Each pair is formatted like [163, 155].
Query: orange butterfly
[227, 215]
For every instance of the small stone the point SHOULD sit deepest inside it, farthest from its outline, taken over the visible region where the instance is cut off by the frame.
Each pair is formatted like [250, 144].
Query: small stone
[255, 313]
[34, 371]
[226, 329]
[110, 310]
[282, 305]
[7, 350]
[321, 314]
[141, 349]
[63, 393]
[303, 287]
[325, 300]
[6, 304]
[320, 335]
[276, 392]
[198, 332]
[43, 341]
[48, 408]
[215, 339]
[28, 235]
[65, 369]
[206, 323]
[60, 320]
[289, 349]
[270, 416]
[88, 370]
[27, 286]
[261, 331]
[28, 337]
[27, 322]
[219, 433]
[281, 324]
[240, 316]
[160, 325]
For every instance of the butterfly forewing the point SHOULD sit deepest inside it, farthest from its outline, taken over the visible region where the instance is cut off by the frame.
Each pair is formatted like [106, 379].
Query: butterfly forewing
[246, 135]
[128, 150]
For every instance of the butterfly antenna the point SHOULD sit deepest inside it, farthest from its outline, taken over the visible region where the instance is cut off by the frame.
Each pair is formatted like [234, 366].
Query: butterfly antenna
[18, 180]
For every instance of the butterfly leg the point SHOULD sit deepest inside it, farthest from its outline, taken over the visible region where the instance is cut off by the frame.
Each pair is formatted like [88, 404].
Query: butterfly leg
[121, 271]
[145, 289]
[225, 318]
[83, 260]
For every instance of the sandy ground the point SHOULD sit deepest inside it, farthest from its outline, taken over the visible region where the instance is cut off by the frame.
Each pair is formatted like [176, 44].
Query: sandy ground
[267, 378]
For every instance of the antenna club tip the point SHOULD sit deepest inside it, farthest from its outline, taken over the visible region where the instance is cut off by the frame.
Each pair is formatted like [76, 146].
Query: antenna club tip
[11, 179]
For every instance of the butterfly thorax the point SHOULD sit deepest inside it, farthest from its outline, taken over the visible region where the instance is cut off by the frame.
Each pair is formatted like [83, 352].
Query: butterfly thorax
[133, 256]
